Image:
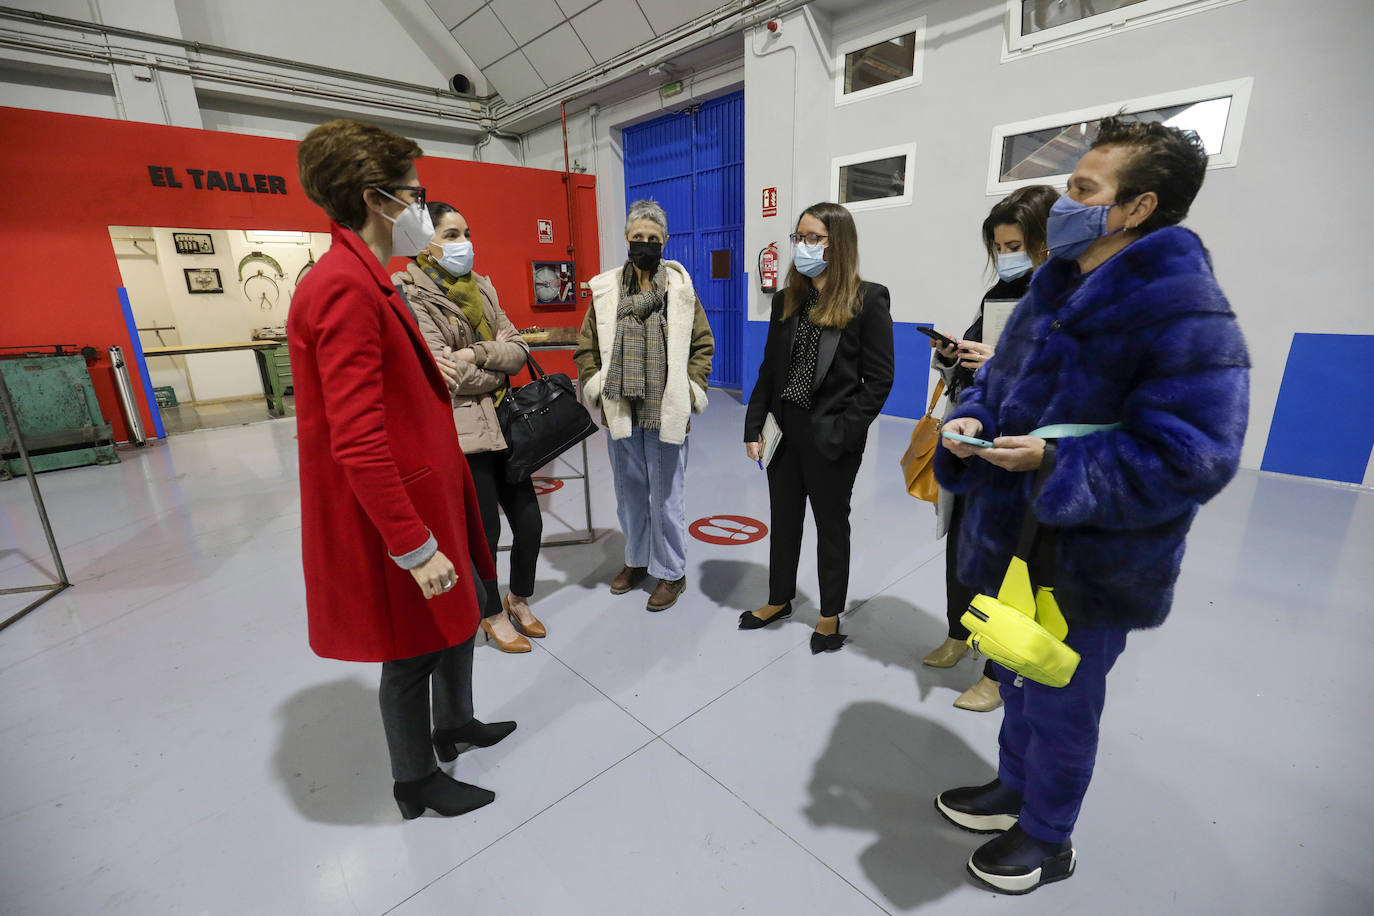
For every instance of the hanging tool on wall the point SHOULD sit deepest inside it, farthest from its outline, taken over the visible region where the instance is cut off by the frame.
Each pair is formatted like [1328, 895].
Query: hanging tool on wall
[306, 269]
[266, 293]
[266, 259]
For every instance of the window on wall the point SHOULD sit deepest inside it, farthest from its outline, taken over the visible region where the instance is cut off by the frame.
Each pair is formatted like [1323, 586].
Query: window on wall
[1038, 25]
[880, 62]
[875, 179]
[1045, 150]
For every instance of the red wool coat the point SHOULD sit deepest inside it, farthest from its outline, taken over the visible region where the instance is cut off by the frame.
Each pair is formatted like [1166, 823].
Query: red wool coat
[380, 467]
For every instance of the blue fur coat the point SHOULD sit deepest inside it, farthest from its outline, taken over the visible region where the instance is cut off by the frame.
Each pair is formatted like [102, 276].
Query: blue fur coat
[1146, 340]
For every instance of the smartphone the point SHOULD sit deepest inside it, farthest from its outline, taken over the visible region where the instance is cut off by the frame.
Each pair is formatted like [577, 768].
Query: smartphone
[936, 335]
[981, 443]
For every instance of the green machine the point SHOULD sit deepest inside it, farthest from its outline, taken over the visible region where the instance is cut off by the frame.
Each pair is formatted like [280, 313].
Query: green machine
[58, 412]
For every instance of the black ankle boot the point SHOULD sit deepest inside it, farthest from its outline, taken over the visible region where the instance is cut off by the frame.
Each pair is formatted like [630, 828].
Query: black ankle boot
[441, 793]
[1018, 863]
[981, 809]
[475, 732]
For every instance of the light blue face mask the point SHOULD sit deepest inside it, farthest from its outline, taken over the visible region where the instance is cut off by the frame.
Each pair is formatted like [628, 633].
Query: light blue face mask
[457, 258]
[1073, 227]
[1013, 264]
[809, 259]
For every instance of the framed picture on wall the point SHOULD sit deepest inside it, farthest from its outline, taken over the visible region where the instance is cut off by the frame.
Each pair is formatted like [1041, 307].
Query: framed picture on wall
[203, 280]
[193, 242]
[555, 282]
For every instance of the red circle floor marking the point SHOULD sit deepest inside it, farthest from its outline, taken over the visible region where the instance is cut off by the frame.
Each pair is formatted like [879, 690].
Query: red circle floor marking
[732, 530]
[543, 485]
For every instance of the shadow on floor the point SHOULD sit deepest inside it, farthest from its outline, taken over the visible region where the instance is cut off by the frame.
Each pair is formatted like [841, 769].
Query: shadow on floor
[880, 774]
[893, 631]
[331, 756]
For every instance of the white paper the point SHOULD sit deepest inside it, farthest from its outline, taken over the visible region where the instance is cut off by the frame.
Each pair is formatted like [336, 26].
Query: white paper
[996, 312]
[772, 436]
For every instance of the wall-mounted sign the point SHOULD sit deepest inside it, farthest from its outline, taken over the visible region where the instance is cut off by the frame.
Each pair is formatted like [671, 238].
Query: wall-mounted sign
[546, 231]
[164, 176]
[193, 242]
[203, 280]
[770, 202]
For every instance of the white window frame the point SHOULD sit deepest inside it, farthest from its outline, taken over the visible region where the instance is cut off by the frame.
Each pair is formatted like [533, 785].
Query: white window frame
[916, 26]
[887, 152]
[1227, 157]
[1016, 45]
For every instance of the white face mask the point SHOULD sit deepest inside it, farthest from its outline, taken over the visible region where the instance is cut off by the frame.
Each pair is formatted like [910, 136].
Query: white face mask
[457, 258]
[412, 230]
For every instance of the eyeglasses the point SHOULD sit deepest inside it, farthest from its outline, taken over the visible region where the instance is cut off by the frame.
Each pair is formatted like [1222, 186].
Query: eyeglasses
[810, 238]
[414, 189]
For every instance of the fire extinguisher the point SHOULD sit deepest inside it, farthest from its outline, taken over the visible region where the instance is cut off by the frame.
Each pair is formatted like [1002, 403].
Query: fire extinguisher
[768, 268]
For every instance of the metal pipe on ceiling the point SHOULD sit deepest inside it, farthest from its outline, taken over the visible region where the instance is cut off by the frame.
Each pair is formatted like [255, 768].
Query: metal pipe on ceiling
[9, 12]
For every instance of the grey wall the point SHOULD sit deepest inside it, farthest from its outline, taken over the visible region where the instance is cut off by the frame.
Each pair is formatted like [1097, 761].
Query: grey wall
[1284, 226]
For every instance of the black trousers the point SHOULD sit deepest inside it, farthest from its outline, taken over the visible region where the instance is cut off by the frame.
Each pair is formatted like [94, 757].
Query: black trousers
[521, 505]
[957, 594]
[798, 473]
[404, 696]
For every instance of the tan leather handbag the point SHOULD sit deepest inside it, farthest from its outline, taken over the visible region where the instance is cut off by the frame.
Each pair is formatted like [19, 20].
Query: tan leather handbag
[918, 468]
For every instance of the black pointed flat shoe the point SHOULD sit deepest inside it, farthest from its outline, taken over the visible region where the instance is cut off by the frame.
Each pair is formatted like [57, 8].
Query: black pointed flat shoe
[827, 642]
[749, 621]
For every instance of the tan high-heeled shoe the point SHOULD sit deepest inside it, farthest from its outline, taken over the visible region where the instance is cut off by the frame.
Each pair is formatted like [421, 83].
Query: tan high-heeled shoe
[518, 644]
[535, 629]
[983, 696]
[947, 655]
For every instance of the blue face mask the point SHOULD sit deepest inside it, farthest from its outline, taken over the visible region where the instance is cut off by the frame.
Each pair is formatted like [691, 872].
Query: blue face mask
[1073, 227]
[457, 258]
[1013, 264]
[809, 259]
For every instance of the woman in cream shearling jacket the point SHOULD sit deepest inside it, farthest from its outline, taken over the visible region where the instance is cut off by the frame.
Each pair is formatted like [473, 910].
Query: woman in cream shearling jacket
[644, 357]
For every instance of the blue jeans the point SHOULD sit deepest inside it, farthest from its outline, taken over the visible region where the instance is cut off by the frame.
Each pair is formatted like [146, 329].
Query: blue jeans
[650, 496]
[1049, 734]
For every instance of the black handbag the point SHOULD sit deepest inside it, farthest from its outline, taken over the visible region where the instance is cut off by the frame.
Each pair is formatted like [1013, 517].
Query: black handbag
[540, 421]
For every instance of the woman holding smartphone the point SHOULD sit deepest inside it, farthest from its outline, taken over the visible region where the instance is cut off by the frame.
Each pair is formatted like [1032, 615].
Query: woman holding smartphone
[827, 370]
[1014, 237]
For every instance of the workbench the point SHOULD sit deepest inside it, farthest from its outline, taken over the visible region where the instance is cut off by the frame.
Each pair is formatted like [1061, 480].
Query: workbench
[274, 365]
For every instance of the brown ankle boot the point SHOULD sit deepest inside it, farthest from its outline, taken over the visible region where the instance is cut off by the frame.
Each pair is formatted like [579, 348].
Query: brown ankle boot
[627, 579]
[665, 595]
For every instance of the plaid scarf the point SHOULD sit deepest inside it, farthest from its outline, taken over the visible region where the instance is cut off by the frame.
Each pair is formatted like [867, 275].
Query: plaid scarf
[639, 357]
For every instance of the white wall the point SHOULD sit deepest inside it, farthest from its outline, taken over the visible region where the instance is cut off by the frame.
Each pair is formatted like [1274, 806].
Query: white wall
[1284, 226]
[158, 295]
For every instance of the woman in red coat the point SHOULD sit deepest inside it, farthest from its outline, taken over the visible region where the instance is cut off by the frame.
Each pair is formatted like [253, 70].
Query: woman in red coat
[389, 523]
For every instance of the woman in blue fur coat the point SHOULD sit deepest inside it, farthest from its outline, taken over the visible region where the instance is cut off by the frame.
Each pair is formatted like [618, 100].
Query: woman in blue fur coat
[1124, 325]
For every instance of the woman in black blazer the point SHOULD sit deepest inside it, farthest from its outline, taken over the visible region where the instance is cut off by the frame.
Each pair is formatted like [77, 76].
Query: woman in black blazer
[826, 372]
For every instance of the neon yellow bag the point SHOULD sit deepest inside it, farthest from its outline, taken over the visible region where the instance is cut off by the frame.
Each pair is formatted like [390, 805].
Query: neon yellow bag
[1023, 628]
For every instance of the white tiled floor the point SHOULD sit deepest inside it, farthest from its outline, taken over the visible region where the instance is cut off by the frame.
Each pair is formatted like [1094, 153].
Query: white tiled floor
[170, 745]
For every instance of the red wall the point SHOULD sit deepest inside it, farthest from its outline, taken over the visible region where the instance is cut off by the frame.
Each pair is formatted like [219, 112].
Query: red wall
[66, 178]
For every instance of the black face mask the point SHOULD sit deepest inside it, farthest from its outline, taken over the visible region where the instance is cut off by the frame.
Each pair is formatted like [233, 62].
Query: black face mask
[646, 255]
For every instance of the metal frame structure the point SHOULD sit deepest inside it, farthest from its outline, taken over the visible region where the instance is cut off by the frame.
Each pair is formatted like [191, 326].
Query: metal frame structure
[62, 583]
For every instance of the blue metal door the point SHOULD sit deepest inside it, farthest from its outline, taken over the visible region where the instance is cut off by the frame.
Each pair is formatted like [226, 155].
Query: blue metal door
[692, 163]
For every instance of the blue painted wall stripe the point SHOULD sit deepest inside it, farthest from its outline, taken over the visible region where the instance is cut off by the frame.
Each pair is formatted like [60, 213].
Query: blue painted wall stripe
[1323, 423]
[136, 349]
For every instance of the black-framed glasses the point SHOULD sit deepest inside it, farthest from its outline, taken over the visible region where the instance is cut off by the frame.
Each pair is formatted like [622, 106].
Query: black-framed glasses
[809, 238]
[415, 189]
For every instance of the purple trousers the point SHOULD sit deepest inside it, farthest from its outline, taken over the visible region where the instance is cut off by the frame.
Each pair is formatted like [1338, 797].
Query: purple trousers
[1049, 734]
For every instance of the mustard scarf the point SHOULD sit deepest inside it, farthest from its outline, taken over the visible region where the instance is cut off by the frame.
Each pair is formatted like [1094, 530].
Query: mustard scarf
[462, 292]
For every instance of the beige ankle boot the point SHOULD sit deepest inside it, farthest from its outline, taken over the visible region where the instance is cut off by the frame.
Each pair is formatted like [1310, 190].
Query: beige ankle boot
[949, 652]
[981, 697]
